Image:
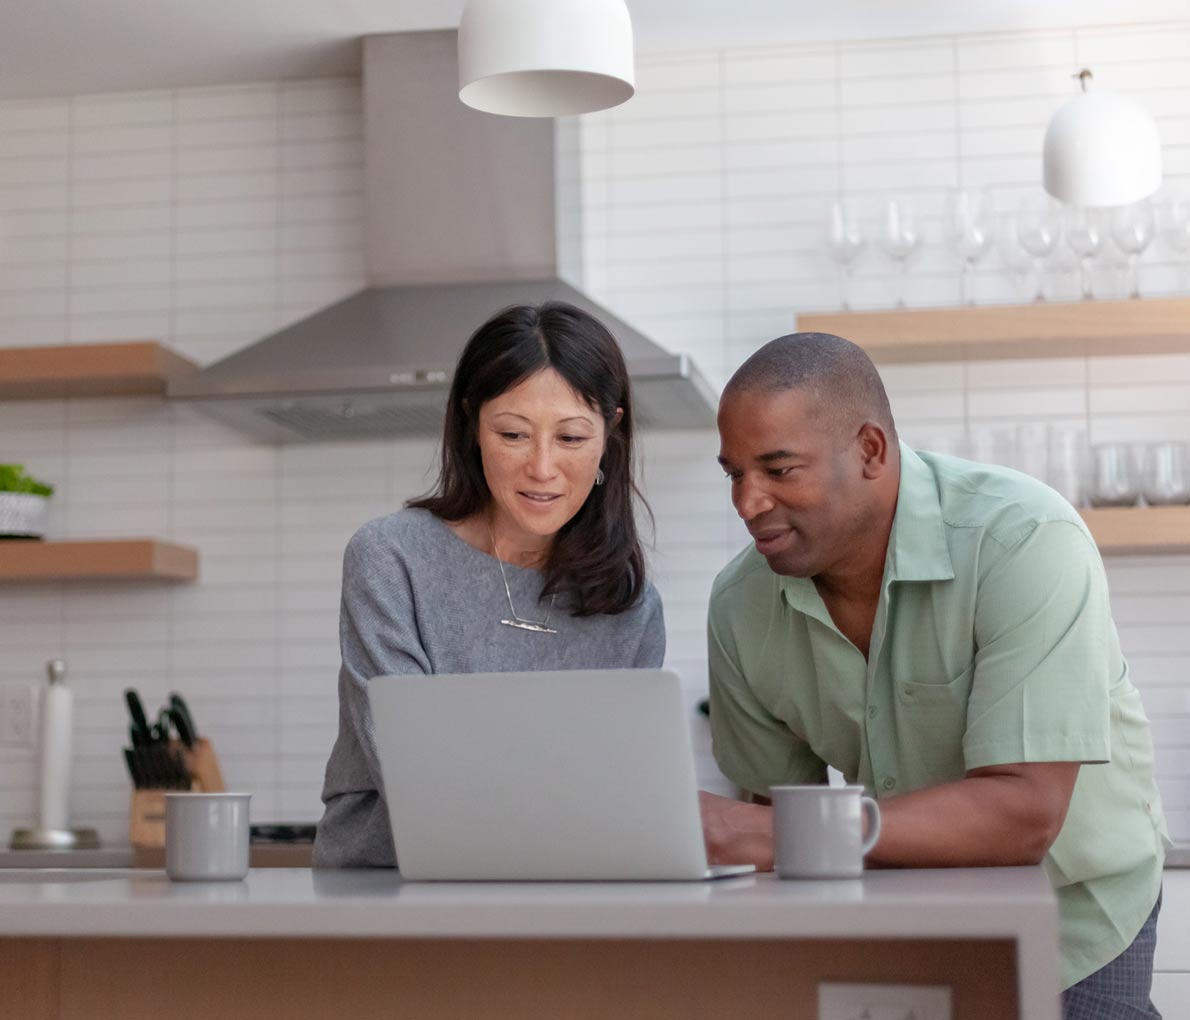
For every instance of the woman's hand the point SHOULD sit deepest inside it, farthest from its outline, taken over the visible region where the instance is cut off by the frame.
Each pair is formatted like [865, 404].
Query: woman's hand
[735, 832]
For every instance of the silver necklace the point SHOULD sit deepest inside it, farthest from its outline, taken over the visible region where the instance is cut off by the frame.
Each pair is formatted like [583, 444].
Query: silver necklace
[538, 628]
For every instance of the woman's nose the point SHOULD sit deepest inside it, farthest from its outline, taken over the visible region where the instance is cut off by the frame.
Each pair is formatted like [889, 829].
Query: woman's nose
[541, 461]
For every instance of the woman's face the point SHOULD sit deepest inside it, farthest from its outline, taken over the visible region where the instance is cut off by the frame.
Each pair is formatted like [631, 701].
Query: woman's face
[541, 444]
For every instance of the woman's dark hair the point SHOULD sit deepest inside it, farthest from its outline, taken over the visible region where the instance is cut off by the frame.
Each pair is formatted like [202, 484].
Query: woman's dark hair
[596, 558]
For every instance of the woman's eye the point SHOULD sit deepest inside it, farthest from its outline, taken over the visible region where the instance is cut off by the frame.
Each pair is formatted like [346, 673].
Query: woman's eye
[573, 440]
[512, 435]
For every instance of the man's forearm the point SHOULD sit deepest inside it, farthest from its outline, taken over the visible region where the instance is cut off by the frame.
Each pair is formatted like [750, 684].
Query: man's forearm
[979, 821]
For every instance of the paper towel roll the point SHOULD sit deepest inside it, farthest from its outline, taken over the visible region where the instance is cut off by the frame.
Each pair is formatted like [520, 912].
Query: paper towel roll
[56, 711]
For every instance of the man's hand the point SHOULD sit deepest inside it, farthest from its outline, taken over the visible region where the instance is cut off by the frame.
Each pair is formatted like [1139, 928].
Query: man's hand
[735, 832]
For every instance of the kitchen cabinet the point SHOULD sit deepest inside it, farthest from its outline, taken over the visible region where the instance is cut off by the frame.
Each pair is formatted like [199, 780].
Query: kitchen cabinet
[135, 559]
[135, 368]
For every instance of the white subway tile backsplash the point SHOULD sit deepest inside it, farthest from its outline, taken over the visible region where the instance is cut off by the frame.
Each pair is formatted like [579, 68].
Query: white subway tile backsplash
[703, 201]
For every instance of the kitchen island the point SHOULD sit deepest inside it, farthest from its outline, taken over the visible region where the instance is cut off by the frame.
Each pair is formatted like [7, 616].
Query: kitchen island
[299, 943]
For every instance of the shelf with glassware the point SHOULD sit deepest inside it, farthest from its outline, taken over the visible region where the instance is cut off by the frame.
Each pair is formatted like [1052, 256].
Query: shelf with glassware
[118, 369]
[123, 559]
[995, 332]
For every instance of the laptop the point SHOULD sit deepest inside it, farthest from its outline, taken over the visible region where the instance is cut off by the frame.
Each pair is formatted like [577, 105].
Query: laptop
[583, 775]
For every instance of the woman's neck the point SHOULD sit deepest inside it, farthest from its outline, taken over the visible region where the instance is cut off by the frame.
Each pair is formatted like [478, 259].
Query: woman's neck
[490, 533]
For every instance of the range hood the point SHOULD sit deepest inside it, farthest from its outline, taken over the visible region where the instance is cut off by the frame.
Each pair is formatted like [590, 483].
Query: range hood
[462, 219]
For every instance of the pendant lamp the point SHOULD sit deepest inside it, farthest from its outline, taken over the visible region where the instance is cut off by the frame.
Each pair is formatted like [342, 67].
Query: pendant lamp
[1101, 148]
[545, 58]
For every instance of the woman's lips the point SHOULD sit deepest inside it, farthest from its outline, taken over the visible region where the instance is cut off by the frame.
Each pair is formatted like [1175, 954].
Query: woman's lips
[539, 499]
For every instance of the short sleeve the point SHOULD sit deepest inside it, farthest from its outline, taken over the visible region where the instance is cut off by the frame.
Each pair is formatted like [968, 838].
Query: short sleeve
[753, 748]
[650, 654]
[1041, 684]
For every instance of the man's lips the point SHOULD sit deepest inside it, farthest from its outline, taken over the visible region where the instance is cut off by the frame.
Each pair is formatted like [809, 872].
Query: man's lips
[768, 540]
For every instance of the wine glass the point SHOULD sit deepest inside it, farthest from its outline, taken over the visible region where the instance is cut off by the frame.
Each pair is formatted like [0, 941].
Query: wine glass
[1015, 260]
[1084, 236]
[1132, 228]
[899, 238]
[969, 222]
[846, 241]
[1037, 225]
[1173, 221]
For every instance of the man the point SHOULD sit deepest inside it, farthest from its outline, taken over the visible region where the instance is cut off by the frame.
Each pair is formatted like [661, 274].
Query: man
[940, 632]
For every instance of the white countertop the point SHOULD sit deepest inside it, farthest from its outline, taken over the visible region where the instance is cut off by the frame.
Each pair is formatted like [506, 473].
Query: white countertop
[1013, 903]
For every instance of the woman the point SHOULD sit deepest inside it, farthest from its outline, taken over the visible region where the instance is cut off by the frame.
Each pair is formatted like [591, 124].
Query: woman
[525, 556]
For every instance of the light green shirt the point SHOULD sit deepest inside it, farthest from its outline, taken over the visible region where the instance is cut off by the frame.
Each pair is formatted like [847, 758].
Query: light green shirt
[993, 643]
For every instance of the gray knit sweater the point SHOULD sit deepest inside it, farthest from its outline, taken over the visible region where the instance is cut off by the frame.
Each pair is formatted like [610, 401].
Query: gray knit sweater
[419, 599]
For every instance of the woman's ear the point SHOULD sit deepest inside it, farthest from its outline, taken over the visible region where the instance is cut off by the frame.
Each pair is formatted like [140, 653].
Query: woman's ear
[616, 418]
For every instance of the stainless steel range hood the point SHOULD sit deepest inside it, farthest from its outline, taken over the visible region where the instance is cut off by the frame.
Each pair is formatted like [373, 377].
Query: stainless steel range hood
[462, 220]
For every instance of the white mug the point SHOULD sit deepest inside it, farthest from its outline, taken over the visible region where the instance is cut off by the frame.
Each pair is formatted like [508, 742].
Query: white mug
[206, 836]
[818, 831]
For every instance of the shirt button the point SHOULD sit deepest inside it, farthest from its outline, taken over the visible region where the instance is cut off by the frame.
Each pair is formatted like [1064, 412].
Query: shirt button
[871, 711]
[889, 783]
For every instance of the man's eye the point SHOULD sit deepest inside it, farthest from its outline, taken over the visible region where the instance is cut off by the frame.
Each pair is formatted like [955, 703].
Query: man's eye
[780, 472]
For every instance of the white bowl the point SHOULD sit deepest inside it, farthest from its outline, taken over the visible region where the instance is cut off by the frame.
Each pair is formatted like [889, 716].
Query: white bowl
[22, 514]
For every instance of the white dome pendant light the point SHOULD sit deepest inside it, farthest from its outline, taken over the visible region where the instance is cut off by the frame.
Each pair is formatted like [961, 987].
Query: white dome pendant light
[545, 58]
[1101, 148]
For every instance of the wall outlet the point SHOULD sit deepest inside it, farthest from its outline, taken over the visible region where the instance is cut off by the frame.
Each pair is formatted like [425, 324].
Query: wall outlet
[18, 711]
[883, 1002]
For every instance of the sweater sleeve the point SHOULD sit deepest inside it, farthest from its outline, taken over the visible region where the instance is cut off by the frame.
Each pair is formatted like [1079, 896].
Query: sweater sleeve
[651, 652]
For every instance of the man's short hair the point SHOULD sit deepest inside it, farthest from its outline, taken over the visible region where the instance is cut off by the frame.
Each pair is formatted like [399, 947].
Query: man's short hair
[838, 373]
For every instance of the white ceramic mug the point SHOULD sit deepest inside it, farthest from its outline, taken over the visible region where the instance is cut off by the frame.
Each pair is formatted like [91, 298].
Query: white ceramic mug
[206, 836]
[818, 831]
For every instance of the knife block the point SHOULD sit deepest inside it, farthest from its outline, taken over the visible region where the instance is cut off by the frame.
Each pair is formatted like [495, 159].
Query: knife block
[146, 819]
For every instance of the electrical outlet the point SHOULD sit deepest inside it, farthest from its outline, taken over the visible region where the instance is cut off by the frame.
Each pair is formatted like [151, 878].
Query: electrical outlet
[883, 1002]
[17, 708]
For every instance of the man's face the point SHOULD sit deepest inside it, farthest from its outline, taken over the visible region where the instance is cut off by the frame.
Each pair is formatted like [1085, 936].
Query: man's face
[795, 482]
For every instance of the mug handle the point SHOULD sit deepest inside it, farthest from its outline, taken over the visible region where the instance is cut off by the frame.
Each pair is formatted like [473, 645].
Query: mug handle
[872, 810]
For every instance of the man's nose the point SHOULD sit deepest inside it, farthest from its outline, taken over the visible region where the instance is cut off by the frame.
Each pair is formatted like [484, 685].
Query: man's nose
[750, 499]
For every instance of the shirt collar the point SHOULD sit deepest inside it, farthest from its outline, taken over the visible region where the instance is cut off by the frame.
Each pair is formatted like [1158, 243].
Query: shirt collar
[917, 547]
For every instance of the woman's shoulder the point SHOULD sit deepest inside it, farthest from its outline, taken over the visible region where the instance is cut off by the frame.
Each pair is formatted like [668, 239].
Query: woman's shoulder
[406, 532]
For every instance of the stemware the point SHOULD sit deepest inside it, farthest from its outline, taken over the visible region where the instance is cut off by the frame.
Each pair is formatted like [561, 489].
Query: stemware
[845, 241]
[899, 238]
[970, 226]
[1173, 222]
[1132, 229]
[1084, 236]
[1019, 265]
[1037, 225]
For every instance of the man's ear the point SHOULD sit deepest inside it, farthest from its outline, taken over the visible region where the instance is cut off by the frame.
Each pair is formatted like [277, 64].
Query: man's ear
[873, 447]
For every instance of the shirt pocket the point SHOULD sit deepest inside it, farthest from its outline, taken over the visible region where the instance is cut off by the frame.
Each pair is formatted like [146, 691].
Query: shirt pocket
[952, 694]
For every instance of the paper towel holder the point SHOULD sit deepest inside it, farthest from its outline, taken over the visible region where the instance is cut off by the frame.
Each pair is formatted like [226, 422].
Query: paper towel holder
[42, 838]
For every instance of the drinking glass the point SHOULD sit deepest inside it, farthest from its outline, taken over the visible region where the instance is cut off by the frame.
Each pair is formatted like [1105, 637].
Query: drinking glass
[1173, 223]
[1132, 229]
[845, 241]
[1037, 225]
[1032, 449]
[970, 223]
[1115, 480]
[1084, 234]
[1018, 264]
[1166, 477]
[899, 237]
[1068, 462]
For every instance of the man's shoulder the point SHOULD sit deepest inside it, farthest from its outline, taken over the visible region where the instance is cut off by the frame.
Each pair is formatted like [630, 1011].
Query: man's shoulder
[1003, 505]
[745, 577]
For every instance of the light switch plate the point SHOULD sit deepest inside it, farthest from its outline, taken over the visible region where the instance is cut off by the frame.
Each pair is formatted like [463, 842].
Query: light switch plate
[883, 1002]
[18, 715]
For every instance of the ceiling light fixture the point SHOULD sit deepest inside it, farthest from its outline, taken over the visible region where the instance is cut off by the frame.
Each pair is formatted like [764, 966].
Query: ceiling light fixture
[1101, 148]
[545, 58]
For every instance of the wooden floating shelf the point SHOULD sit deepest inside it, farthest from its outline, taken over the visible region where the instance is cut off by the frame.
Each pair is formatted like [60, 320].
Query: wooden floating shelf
[135, 368]
[1133, 530]
[133, 559]
[1041, 330]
